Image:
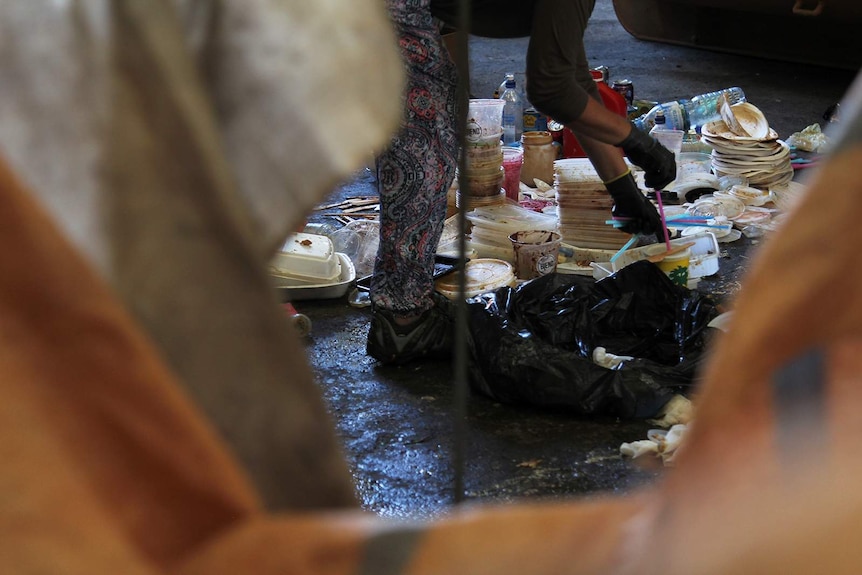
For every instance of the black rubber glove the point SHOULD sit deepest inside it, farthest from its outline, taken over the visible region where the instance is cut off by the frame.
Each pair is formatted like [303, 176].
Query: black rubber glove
[656, 160]
[630, 202]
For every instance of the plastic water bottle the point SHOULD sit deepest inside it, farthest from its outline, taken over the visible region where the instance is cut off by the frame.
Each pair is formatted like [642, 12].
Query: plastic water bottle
[513, 113]
[684, 114]
[502, 88]
[659, 122]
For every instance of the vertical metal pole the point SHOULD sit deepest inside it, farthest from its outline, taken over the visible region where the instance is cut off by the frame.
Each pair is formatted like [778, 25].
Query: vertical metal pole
[461, 352]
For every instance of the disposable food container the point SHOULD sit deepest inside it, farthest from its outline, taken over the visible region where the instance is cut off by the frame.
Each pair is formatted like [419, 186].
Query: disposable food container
[510, 218]
[308, 257]
[328, 290]
[693, 163]
[703, 261]
[482, 275]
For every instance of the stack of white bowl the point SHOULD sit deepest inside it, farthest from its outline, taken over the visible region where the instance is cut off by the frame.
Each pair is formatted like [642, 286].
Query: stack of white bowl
[584, 206]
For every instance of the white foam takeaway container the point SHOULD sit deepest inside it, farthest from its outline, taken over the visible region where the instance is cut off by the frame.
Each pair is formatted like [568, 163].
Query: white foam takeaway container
[309, 258]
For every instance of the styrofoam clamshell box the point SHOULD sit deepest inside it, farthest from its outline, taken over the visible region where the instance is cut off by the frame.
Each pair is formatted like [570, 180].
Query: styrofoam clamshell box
[309, 257]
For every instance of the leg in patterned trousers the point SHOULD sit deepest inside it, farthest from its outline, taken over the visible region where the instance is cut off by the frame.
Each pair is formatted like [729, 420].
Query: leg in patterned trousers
[414, 174]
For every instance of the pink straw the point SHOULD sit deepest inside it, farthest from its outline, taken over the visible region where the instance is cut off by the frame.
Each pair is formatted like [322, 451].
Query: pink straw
[663, 222]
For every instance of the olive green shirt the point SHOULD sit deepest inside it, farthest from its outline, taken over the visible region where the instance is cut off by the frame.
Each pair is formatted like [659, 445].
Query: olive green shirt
[558, 75]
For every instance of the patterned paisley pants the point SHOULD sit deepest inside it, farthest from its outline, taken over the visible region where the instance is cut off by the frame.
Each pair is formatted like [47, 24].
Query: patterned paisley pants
[415, 172]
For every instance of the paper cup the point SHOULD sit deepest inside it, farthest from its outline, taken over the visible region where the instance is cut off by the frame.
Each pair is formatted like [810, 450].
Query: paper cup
[535, 252]
[676, 267]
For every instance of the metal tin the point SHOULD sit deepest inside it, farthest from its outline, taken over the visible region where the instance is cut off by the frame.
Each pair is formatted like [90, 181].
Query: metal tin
[626, 88]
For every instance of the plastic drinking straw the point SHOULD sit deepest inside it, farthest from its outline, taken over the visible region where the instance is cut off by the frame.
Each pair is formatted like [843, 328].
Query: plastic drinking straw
[686, 217]
[663, 221]
[699, 225]
[627, 245]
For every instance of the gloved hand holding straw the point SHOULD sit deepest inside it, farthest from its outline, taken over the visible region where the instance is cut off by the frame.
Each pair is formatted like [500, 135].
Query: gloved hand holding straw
[632, 208]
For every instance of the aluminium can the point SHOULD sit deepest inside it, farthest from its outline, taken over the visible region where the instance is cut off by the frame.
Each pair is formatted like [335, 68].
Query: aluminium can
[626, 88]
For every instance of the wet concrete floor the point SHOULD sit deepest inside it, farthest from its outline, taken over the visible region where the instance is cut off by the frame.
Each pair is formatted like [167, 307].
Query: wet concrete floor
[397, 423]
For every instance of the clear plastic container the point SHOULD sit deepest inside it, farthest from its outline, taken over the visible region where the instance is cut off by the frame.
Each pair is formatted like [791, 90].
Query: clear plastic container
[358, 240]
[484, 119]
[690, 163]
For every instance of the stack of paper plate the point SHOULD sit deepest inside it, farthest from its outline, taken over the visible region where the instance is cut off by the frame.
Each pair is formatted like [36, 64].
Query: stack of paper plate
[583, 206]
[764, 161]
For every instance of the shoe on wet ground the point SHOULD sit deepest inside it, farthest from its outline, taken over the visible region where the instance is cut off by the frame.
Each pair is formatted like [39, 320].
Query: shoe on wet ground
[430, 336]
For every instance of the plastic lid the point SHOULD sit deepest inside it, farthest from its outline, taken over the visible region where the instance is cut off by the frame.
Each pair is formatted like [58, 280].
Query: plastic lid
[481, 275]
[510, 218]
[659, 117]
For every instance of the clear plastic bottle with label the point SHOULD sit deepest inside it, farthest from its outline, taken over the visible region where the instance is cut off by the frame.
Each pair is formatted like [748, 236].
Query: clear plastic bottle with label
[513, 112]
[686, 114]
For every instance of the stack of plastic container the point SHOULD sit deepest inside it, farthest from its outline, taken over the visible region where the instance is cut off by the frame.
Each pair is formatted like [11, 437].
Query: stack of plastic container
[583, 206]
[483, 182]
[491, 227]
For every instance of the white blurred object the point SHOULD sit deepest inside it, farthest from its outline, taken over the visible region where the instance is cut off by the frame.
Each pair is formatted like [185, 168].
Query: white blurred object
[678, 410]
[637, 448]
[662, 443]
[603, 358]
[810, 139]
[177, 144]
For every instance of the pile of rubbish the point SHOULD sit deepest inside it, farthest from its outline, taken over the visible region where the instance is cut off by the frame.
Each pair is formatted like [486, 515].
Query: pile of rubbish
[534, 344]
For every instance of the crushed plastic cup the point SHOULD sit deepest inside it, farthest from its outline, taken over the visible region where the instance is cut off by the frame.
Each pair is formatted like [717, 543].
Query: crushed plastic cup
[535, 252]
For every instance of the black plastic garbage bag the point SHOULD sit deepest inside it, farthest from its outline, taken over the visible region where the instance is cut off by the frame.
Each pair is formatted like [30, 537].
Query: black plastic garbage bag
[533, 345]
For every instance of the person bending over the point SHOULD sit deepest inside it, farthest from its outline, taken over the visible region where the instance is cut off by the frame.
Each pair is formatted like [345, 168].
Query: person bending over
[409, 319]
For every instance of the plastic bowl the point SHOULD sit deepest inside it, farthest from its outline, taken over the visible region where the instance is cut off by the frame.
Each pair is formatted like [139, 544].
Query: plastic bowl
[693, 163]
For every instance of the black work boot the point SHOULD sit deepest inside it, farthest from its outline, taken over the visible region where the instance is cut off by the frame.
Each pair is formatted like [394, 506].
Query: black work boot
[430, 336]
